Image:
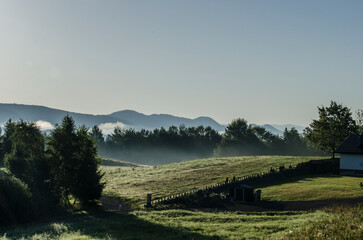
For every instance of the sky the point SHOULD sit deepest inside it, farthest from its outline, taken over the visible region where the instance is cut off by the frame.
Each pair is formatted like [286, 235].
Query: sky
[266, 61]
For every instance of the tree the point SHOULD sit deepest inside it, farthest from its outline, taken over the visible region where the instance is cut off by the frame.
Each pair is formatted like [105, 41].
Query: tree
[5, 143]
[61, 149]
[26, 161]
[97, 134]
[360, 120]
[335, 123]
[74, 164]
[89, 186]
[239, 139]
[294, 143]
[27, 152]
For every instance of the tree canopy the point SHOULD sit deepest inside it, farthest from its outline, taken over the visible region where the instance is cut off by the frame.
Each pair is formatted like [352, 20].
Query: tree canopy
[54, 170]
[335, 123]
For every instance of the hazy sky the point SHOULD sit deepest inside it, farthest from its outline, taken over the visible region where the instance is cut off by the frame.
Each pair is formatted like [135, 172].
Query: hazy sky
[265, 61]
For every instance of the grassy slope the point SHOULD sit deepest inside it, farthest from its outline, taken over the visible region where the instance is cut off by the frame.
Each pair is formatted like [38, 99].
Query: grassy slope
[314, 188]
[132, 184]
[172, 224]
[180, 224]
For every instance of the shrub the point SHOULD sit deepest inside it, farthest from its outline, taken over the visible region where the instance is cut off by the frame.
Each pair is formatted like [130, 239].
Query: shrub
[15, 201]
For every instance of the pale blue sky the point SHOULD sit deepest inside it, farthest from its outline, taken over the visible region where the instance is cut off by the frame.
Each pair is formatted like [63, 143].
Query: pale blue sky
[265, 61]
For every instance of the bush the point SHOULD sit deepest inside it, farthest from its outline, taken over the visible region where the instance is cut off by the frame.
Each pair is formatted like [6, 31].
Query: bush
[15, 201]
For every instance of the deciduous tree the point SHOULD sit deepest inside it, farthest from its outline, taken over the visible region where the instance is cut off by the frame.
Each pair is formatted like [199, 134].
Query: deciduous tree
[335, 123]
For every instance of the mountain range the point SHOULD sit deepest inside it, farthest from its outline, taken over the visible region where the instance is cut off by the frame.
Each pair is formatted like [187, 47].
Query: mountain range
[47, 117]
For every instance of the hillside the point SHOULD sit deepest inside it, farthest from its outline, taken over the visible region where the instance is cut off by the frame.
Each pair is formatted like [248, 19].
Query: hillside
[132, 184]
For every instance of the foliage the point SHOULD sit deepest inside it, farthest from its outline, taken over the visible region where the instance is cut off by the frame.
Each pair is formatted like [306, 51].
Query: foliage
[5, 143]
[89, 180]
[97, 134]
[74, 165]
[335, 123]
[15, 201]
[243, 139]
[360, 120]
[159, 146]
[239, 139]
[27, 152]
[26, 160]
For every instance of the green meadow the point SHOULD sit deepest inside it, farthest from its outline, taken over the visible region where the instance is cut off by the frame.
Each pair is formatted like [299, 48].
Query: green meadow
[314, 188]
[333, 223]
[132, 184]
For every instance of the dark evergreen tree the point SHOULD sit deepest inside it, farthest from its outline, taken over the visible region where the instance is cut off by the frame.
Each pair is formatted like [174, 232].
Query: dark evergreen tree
[89, 184]
[97, 135]
[74, 163]
[62, 150]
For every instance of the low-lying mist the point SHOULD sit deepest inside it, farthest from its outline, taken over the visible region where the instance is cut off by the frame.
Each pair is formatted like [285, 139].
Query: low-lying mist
[149, 156]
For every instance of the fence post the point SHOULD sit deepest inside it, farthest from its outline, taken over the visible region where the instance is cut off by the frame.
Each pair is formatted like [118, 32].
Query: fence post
[148, 200]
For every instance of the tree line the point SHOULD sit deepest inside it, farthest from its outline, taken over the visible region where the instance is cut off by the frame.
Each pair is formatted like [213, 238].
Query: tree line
[47, 172]
[174, 144]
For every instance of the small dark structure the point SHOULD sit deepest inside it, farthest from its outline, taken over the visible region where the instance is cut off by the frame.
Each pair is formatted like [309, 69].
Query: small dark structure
[242, 193]
[351, 155]
[258, 195]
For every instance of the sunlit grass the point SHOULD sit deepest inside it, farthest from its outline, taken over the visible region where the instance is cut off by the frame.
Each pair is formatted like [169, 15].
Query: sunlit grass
[173, 224]
[342, 223]
[132, 184]
[314, 188]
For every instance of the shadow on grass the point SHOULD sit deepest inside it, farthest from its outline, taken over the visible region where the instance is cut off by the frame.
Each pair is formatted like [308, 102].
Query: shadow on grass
[116, 226]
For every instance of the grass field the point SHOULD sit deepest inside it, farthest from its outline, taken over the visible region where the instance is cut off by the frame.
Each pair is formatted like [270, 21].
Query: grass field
[132, 184]
[313, 188]
[172, 224]
[334, 223]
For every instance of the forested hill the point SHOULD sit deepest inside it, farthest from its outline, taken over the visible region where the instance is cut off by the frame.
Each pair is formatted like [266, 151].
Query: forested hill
[128, 118]
[153, 121]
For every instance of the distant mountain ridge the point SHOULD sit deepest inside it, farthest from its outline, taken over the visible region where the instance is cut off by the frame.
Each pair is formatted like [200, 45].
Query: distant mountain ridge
[124, 118]
[153, 121]
[128, 118]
